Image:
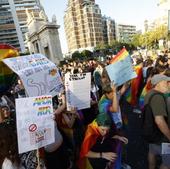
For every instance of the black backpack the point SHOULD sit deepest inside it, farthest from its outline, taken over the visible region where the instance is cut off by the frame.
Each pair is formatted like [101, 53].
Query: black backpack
[150, 131]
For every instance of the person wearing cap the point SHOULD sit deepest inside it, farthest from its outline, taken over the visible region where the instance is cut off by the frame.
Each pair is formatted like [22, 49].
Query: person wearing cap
[99, 147]
[159, 105]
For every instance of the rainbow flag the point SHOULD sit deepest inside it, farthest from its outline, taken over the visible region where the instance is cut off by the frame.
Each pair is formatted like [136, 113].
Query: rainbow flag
[131, 94]
[90, 138]
[120, 56]
[6, 75]
[91, 135]
[145, 90]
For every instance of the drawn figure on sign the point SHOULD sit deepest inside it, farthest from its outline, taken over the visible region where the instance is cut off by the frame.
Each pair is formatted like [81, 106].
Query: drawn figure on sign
[40, 87]
[40, 136]
[53, 72]
[50, 79]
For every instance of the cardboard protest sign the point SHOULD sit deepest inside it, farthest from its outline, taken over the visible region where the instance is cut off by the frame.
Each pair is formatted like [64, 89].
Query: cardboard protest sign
[35, 124]
[77, 88]
[39, 75]
[121, 71]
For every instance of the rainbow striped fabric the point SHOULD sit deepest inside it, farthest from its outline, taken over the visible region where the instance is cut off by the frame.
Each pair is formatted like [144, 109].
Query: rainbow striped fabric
[145, 90]
[131, 94]
[91, 136]
[120, 56]
[6, 75]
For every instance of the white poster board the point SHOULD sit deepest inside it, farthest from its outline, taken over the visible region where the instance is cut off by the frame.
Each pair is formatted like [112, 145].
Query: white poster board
[121, 71]
[39, 75]
[35, 124]
[77, 88]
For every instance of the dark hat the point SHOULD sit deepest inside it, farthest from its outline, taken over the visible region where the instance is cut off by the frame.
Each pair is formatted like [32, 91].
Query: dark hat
[103, 119]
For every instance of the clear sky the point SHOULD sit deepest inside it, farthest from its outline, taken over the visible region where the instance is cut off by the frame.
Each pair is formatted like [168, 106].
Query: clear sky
[123, 11]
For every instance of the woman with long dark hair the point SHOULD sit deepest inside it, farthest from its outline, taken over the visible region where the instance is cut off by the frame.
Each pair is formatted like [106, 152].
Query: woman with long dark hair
[9, 158]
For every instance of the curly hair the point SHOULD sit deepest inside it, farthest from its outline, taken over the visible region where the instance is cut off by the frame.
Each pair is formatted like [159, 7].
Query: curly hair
[8, 145]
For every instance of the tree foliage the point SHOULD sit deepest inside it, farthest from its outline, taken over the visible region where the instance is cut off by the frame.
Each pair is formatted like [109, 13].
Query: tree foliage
[117, 46]
[150, 39]
[87, 54]
[76, 55]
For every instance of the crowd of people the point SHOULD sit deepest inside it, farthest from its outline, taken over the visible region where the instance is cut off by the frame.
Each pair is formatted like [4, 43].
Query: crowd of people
[95, 137]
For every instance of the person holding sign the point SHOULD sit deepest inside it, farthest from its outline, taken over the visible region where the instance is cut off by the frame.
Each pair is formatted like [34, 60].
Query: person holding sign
[55, 153]
[69, 124]
[109, 102]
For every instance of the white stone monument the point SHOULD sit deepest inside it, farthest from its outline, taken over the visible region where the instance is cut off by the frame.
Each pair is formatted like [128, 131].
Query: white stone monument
[43, 36]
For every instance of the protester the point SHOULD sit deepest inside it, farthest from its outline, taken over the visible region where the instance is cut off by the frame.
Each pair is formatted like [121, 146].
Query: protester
[101, 140]
[159, 109]
[109, 103]
[67, 122]
[55, 154]
[89, 114]
[9, 157]
[97, 74]
[99, 146]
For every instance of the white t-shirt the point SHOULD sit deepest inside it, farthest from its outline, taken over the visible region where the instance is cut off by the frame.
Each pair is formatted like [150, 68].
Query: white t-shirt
[7, 164]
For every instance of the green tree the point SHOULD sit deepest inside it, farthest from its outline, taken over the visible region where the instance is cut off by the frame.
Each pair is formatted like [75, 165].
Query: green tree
[76, 55]
[150, 39]
[87, 54]
[117, 46]
[136, 40]
[104, 48]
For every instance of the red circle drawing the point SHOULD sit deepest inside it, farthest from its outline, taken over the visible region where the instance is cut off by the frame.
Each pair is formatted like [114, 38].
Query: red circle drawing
[32, 127]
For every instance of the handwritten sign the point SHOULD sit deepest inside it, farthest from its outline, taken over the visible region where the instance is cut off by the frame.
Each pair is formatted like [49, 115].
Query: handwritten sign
[121, 71]
[35, 124]
[78, 90]
[39, 75]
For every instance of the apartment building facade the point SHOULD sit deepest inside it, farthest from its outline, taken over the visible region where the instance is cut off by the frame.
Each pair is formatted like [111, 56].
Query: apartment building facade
[125, 32]
[9, 28]
[83, 25]
[13, 20]
[109, 29]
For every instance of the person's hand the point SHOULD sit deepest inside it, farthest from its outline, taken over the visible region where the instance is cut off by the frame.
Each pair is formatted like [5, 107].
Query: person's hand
[124, 88]
[109, 156]
[63, 98]
[113, 86]
[121, 138]
[73, 109]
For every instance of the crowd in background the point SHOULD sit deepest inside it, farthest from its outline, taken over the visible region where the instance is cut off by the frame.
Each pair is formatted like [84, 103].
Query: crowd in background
[92, 137]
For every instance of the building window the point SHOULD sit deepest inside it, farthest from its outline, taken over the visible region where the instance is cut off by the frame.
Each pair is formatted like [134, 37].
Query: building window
[47, 52]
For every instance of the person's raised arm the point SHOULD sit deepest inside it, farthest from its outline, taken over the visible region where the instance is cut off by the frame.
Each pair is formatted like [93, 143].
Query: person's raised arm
[62, 107]
[115, 103]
